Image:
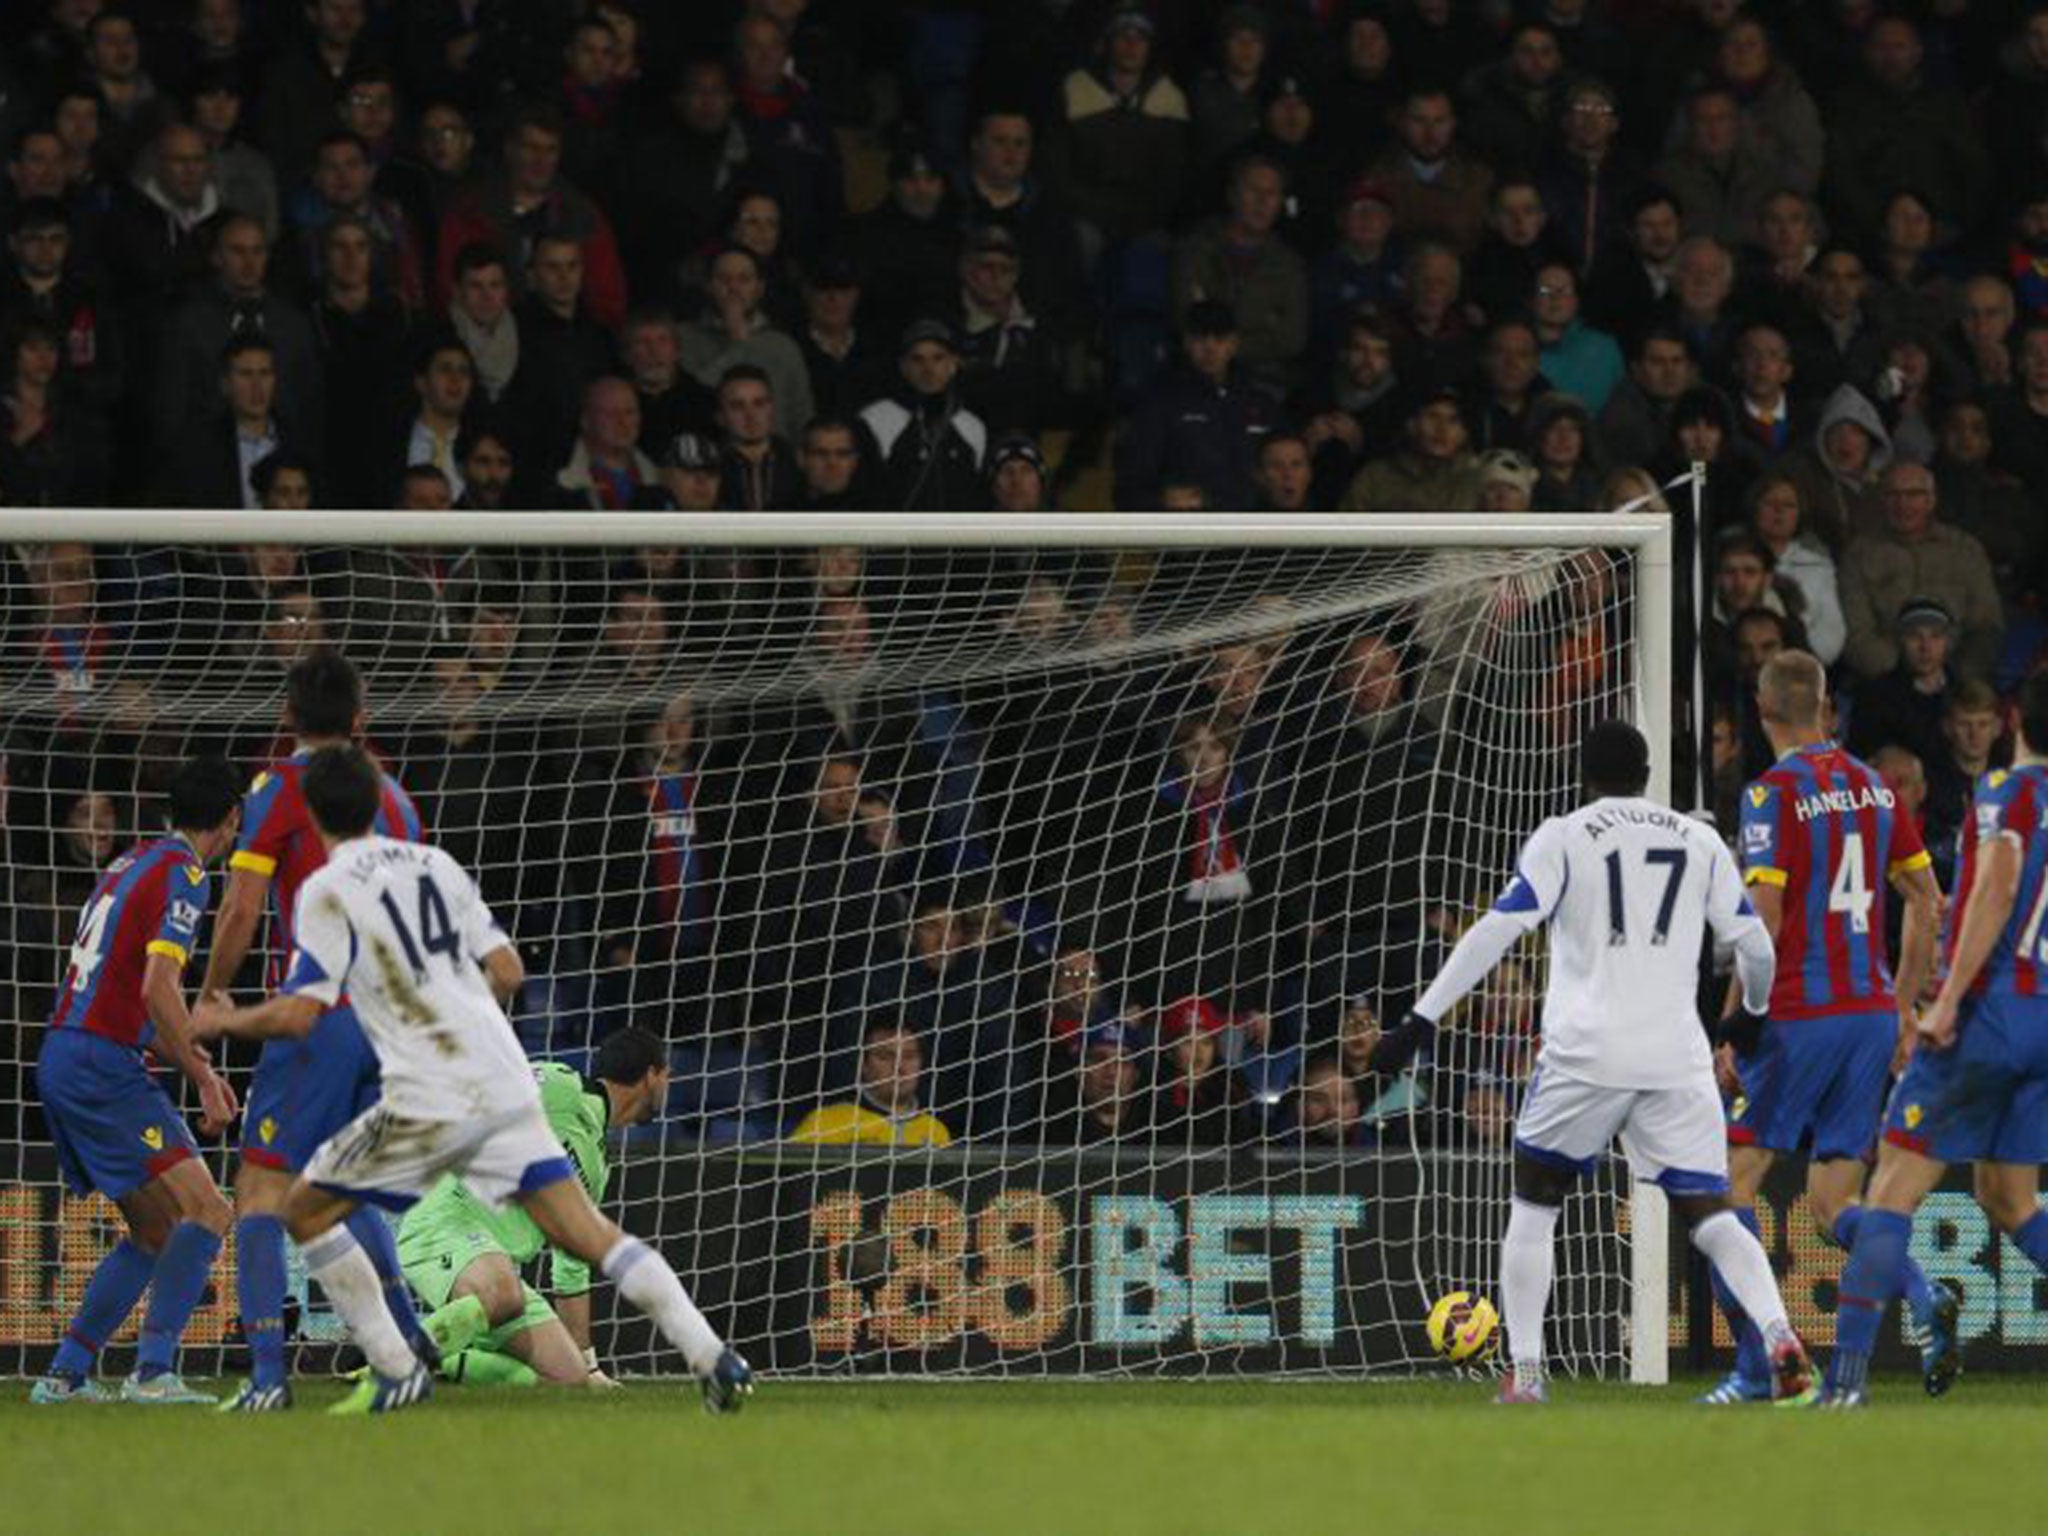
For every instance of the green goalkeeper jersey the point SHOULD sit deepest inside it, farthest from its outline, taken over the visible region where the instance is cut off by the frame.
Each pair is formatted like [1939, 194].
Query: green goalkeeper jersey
[577, 1112]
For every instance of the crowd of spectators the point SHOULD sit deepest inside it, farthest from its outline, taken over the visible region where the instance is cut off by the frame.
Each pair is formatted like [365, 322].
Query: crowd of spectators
[1359, 255]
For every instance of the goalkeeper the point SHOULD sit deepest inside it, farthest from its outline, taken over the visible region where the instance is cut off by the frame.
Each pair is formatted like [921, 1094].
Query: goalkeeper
[464, 1258]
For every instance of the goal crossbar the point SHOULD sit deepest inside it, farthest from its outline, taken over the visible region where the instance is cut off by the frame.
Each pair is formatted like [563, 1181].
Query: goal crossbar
[1647, 532]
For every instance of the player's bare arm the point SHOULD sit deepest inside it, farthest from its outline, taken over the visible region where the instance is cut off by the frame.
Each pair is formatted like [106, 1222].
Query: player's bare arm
[505, 971]
[163, 994]
[1918, 933]
[1769, 902]
[234, 928]
[281, 1017]
[1991, 902]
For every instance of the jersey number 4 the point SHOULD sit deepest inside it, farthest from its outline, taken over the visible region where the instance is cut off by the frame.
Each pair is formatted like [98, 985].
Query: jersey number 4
[1673, 861]
[1850, 893]
[92, 934]
[437, 935]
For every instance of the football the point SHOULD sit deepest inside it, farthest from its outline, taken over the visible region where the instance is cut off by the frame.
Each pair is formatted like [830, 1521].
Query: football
[1463, 1327]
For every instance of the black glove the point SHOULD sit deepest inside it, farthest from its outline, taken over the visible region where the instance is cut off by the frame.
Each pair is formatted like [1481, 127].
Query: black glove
[1743, 1030]
[1399, 1045]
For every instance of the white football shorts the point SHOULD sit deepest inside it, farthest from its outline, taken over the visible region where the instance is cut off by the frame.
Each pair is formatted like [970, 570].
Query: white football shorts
[1674, 1137]
[390, 1161]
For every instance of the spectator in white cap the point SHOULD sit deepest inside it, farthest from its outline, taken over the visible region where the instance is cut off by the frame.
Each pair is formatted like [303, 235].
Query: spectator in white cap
[1507, 480]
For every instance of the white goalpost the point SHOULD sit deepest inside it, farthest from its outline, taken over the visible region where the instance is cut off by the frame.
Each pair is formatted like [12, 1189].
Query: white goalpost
[1019, 896]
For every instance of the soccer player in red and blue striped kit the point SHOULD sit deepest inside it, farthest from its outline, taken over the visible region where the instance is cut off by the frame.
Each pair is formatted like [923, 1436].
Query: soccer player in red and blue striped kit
[115, 1129]
[1976, 1090]
[305, 1089]
[1823, 837]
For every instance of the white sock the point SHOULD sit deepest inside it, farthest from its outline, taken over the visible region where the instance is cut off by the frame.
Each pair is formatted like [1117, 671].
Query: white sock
[1733, 1250]
[1528, 1254]
[350, 1280]
[644, 1278]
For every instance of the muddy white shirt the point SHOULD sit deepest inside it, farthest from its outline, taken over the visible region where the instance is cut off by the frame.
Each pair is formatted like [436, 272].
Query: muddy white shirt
[400, 928]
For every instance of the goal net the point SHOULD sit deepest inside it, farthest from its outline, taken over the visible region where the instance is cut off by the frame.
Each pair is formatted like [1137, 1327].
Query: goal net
[1020, 910]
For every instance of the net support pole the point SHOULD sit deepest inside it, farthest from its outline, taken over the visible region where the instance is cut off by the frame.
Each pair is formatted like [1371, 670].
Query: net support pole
[1649, 1245]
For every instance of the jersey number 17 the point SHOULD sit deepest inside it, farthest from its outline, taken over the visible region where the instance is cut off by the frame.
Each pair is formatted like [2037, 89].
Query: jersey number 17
[1673, 860]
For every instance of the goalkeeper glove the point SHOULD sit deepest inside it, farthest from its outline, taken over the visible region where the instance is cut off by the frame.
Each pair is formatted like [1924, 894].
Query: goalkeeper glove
[1399, 1045]
[1743, 1030]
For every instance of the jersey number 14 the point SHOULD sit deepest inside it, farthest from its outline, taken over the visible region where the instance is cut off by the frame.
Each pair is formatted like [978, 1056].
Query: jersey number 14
[437, 935]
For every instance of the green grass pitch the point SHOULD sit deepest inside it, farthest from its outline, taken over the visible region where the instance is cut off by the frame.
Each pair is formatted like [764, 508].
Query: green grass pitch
[1075, 1459]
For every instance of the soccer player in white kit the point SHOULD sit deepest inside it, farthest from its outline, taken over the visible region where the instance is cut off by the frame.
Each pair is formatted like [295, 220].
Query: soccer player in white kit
[1627, 888]
[402, 928]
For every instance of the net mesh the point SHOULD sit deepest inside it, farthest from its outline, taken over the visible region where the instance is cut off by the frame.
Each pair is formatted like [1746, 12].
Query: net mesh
[1021, 921]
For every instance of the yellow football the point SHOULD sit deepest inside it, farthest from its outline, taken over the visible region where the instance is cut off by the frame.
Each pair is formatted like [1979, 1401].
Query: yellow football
[1463, 1326]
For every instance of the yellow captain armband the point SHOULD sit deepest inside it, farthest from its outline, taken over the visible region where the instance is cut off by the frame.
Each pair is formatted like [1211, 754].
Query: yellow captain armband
[1763, 876]
[166, 947]
[255, 863]
[1912, 861]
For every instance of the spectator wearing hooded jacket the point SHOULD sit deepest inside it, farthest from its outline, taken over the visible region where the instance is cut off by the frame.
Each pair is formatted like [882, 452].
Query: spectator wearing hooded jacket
[1126, 140]
[1839, 469]
[929, 447]
[159, 229]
